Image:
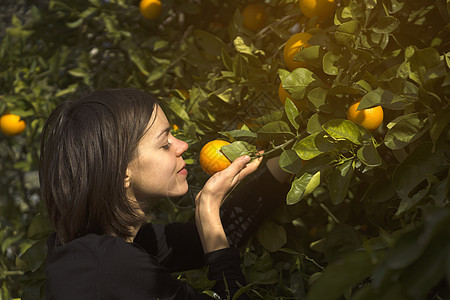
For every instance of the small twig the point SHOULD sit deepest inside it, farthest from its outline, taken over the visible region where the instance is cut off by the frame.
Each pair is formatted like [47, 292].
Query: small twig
[329, 213]
[257, 154]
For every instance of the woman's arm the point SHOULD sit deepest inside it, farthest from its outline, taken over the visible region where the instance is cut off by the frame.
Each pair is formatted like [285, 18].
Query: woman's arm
[211, 197]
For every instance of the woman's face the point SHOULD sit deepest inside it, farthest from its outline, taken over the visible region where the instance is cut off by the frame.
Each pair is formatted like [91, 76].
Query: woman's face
[158, 170]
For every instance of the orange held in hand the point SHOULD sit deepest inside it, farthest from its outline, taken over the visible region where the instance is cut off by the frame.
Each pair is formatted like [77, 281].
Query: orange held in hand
[11, 124]
[370, 118]
[293, 46]
[322, 9]
[255, 17]
[151, 9]
[212, 159]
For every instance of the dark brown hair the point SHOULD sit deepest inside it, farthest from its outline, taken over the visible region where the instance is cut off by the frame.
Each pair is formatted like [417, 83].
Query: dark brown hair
[86, 147]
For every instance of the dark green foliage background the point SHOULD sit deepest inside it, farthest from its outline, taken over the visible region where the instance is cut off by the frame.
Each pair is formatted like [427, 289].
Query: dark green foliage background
[367, 216]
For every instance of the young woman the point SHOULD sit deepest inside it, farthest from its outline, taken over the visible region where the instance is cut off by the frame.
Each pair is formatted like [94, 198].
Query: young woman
[105, 158]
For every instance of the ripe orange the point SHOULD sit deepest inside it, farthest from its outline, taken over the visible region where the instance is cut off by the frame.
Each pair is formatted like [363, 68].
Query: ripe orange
[212, 159]
[293, 46]
[151, 9]
[255, 17]
[370, 118]
[322, 9]
[283, 94]
[11, 124]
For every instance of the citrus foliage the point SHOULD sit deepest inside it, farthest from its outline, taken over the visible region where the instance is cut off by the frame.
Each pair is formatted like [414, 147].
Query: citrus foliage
[367, 213]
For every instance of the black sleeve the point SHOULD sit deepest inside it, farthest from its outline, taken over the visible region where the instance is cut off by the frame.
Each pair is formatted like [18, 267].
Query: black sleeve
[248, 206]
[129, 272]
[177, 246]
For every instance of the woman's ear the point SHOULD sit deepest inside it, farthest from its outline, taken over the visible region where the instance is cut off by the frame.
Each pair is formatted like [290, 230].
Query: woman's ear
[127, 179]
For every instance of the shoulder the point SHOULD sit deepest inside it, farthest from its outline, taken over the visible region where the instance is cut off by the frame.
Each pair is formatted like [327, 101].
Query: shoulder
[126, 269]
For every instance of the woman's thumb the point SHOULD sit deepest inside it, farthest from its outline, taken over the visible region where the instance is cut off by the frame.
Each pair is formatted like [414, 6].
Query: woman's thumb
[239, 163]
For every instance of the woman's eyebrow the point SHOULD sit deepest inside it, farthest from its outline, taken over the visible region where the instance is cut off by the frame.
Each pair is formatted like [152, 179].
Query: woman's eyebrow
[166, 131]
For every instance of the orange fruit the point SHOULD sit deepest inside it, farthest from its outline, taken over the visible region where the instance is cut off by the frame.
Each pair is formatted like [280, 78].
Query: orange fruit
[151, 9]
[212, 159]
[322, 9]
[283, 94]
[370, 118]
[11, 124]
[293, 46]
[255, 17]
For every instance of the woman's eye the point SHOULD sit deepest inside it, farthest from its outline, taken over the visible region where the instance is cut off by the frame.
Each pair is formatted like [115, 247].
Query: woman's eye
[167, 146]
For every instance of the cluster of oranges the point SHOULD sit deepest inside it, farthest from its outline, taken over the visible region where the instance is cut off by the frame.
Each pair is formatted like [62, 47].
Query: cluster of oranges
[255, 18]
[370, 118]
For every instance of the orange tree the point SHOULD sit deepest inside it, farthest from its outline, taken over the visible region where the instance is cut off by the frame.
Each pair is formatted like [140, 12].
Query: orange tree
[367, 214]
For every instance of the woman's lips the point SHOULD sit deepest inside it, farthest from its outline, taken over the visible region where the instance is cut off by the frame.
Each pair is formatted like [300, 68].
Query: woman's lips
[183, 170]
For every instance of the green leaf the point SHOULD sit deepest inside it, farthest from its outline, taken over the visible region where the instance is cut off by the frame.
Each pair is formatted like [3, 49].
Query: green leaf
[178, 108]
[340, 179]
[317, 97]
[275, 130]
[341, 276]
[368, 154]
[237, 149]
[244, 45]
[297, 82]
[311, 55]
[386, 99]
[405, 130]
[271, 235]
[78, 72]
[291, 112]
[331, 63]
[36, 255]
[313, 145]
[385, 24]
[380, 190]
[315, 123]
[343, 129]
[209, 42]
[39, 228]
[239, 134]
[347, 32]
[302, 187]
[290, 162]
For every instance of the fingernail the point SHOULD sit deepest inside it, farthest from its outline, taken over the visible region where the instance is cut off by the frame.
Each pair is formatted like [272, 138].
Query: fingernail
[247, 158]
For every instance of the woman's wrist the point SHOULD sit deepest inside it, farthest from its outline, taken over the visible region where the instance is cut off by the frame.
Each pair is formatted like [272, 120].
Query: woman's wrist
[210, 228]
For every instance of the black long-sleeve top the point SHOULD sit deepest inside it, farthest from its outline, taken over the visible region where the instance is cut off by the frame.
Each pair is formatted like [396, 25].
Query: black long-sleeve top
[107, 267]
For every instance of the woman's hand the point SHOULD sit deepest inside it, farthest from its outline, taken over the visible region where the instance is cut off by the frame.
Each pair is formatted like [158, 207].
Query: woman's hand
[210, 198]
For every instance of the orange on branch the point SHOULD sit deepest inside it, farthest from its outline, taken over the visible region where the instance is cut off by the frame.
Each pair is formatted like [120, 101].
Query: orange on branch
[255, 17]
[322, 9]
[212, 159]
[283, 94]
[150, 9]
[11, 124]
[294, 45]
[370, 118]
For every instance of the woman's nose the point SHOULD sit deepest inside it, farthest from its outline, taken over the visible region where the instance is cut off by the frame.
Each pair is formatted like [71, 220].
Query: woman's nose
[181, 147]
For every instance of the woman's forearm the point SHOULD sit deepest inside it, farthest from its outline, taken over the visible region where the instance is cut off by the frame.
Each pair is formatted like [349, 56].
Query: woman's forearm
[210, 229]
